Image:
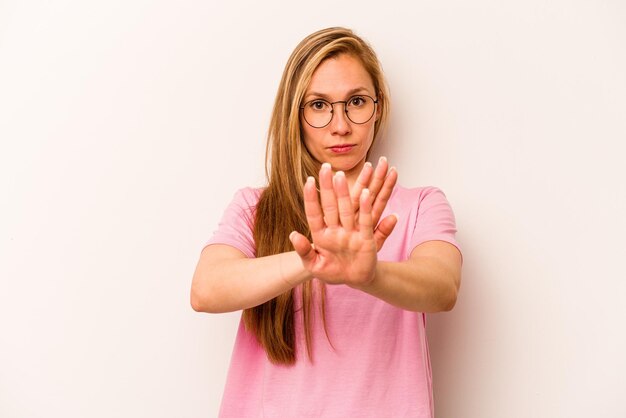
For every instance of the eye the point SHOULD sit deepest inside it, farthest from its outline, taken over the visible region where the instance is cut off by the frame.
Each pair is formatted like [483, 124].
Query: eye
[318, 105]
[357, 101]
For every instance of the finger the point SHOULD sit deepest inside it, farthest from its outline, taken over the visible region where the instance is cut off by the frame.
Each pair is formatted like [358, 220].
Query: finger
[366, 228]
[380, 202]
[327, 196]
[312, 208]
[380, 173]
[361, 183]
[302, 246]
[344, 203]
[384, 229]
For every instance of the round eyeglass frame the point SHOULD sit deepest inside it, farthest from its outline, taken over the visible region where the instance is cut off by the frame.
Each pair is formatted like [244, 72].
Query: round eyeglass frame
[345, 107]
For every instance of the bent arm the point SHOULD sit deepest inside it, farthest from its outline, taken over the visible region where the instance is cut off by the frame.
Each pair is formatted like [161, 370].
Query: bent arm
[225, 280]
[427, 282]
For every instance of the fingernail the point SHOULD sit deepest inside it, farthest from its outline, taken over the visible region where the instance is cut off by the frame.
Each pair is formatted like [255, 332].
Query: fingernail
[337, 176]
[326, 166]
[367, 163]
[310, 179]
[381, 159]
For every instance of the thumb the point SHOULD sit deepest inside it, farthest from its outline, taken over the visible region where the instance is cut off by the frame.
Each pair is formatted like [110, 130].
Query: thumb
[302, 246]
[384, 229]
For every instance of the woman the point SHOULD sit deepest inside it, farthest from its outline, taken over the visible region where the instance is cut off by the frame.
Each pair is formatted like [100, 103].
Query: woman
[333, 285]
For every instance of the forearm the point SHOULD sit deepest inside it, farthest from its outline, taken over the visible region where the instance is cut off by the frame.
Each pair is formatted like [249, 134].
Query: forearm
[423, 284]
[231, 284]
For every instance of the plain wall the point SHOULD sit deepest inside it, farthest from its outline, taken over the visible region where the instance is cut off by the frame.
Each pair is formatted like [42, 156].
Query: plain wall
[127, 126]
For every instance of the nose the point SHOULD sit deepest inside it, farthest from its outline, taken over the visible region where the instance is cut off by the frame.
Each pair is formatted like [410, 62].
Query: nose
[340, 124]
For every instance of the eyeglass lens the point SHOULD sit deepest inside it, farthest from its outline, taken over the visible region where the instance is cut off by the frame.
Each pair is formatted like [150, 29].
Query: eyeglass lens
[359, 109]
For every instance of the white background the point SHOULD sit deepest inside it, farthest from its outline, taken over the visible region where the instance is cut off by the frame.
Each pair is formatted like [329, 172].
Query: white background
[126, 127]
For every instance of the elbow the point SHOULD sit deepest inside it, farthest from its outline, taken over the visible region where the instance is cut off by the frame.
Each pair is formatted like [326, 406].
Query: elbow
[196, 303]
[449, 301]
[202, 302]
[209, 300]
[447, 297]
[450, 297]
[204, 296]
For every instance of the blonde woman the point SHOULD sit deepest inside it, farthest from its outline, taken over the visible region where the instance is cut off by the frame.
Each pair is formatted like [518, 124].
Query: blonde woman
[333, 263]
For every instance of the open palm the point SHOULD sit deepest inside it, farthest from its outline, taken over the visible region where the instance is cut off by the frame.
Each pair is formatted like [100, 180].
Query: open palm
[344, 249]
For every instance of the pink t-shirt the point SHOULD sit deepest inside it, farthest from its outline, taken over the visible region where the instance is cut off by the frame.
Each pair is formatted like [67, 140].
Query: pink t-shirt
[378, 364]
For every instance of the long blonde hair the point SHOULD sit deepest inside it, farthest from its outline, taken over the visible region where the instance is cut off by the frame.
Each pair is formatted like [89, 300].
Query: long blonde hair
[288, 163]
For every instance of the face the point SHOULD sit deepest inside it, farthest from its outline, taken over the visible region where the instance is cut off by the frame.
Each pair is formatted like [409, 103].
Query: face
[342, 143]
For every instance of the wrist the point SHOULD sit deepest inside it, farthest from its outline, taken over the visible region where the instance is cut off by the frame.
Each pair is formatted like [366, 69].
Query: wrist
[370, 282]
[292, 270]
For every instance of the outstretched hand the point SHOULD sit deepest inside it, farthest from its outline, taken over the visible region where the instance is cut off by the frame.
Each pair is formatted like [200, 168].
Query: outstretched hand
[379, 181]
[345, 243]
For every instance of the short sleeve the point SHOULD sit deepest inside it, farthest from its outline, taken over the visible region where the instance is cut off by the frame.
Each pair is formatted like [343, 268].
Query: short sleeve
[236, 226]
[435, 220]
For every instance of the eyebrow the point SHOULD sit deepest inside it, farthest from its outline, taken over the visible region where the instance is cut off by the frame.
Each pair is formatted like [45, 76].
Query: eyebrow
[349, 93]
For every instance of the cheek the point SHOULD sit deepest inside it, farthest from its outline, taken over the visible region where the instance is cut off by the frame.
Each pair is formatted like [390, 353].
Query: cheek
[310, 138]
[370, 136]
[368, 130]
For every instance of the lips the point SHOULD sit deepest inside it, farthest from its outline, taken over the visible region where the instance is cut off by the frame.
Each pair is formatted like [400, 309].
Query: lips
[341, 148]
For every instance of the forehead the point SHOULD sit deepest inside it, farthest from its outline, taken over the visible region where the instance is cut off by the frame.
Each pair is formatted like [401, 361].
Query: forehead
[339, 75]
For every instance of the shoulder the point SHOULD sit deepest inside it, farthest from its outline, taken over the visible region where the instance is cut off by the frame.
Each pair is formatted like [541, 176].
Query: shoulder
[248, 196]
[424, 214]
[415, 196]
[245, 200]
[242, 206]
[237, 223]
[421, 204]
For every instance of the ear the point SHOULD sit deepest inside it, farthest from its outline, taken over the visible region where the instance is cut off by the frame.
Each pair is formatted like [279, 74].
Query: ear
[379, 107]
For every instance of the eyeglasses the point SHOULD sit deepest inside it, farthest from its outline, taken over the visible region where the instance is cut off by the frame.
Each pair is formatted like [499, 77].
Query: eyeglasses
[319, 112]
